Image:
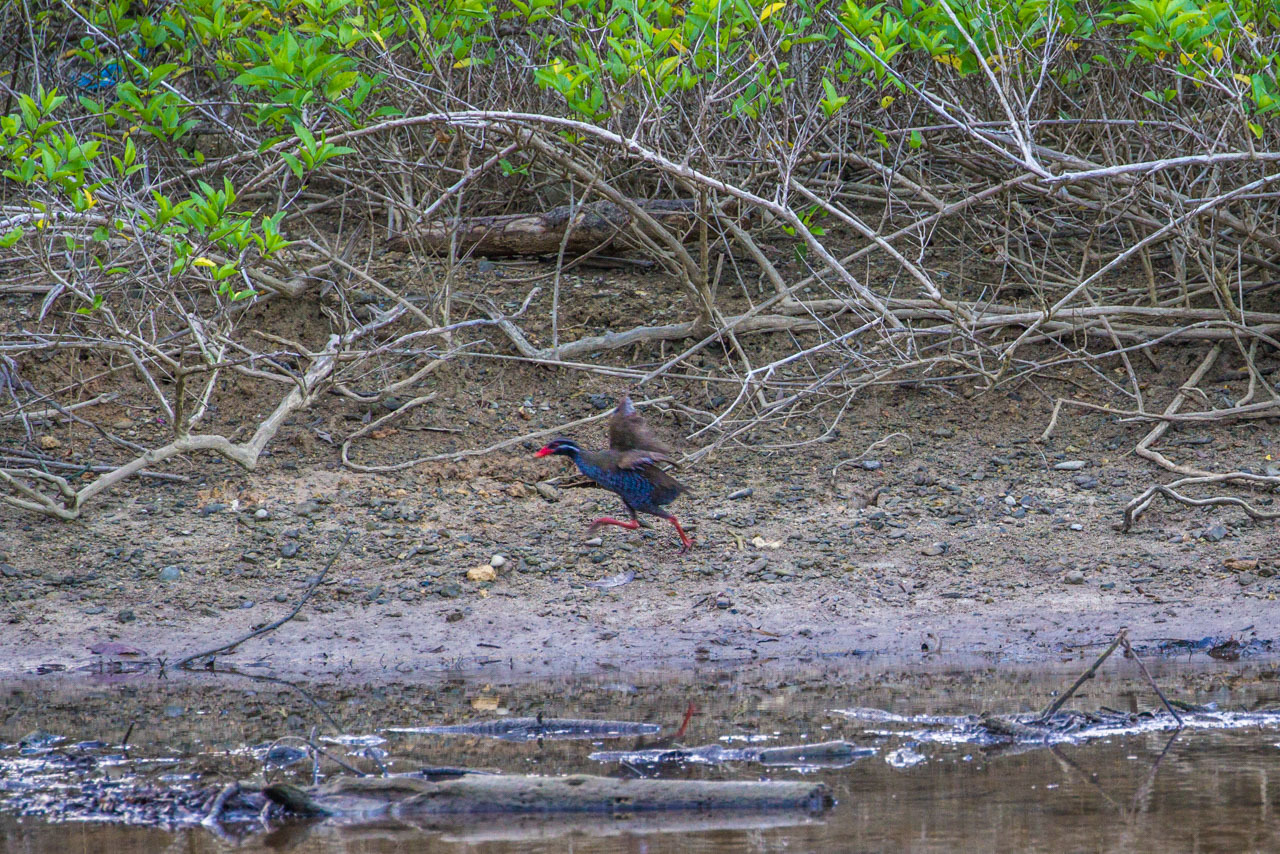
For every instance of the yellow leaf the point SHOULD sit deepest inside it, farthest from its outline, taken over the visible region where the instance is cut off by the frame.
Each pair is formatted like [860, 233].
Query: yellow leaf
[1073, 45]
[88, 197]
[203, 262]
[1243, 78]
[1217, 53]
[377, 36]
[463, 63]
[886, 102]
[769, 10]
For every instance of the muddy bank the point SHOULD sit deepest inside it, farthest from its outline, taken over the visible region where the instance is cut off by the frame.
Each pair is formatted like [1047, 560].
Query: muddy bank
[981, 545]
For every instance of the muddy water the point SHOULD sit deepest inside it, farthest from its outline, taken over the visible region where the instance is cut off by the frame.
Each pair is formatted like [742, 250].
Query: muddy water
[925, 788]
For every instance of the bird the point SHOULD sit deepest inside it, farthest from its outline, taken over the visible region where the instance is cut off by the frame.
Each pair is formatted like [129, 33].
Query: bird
[635, 477]
[628, 431]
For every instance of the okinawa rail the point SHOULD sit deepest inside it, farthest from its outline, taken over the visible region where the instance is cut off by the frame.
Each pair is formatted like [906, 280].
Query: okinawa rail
[633, 475]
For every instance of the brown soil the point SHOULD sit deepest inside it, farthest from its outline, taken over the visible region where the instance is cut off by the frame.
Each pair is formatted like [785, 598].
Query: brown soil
[799, 570]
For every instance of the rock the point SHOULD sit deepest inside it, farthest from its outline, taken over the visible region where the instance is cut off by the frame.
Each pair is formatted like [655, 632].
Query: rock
[482, 573]
[49, 443]
[308, 508]
[1074, 576]
[1070, 465]
[600, 401]
[943, 433]
[289, 549]
[126, 616]
[261, 513]
[211, 508]
[9, 571]
[594, 541]
[934, 550]
[871, 465]
[547, 491]
[1241, 564]
[1085, 481]
[171, 573]
[497, 561]
[1076, 526]
[741, 493]
[1215, 534]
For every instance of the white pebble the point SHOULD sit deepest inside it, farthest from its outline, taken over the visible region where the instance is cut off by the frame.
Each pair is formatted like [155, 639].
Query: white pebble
[497, 561]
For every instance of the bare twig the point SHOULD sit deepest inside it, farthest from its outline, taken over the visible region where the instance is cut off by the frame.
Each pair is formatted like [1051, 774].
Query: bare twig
[185, 663]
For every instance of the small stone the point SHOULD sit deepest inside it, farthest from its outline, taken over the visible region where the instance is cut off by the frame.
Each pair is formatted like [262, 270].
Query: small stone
[289, 549]
[943, 433]
[1070, 465]
[261, 513]
[126, 616]
[211, 508]
[1010, 501]
[281, 597]
[547, 491]
[871, 465]
[482, 573]
[174, 711]
[600, 401]
[497, 561]
[49, 443]
[1074, 576]
[934, 550]
[594, 541]
[741, 493]
[171, 573]
[1215, 534]
[1076, 526]
[1085, 481]
[9, 571]
[1241, 564]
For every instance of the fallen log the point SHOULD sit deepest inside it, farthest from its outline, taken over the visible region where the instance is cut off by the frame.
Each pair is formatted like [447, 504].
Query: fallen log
[539, 728]
[370, 798]
[592, 226]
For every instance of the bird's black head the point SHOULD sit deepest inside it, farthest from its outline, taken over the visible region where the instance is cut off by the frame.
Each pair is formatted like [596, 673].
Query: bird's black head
[559, 446]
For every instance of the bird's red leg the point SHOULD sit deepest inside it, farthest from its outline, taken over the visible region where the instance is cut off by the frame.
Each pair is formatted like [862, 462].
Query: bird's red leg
[609, 520]
[686, 543]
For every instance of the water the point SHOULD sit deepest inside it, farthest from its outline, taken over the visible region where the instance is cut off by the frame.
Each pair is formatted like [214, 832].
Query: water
[921, 790]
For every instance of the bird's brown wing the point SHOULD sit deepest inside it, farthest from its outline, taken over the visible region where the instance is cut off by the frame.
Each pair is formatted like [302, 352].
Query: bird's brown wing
[628, 431]
[641, 458]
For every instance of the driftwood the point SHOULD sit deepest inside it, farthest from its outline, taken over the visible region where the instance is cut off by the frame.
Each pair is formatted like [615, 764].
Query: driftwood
[539, 728]
[827, 754]
[588, 227]
[370, 798]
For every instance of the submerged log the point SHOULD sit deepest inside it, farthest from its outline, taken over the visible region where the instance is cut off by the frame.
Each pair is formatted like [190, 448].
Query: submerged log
[533, 729]
[594, 226]
[406, 797]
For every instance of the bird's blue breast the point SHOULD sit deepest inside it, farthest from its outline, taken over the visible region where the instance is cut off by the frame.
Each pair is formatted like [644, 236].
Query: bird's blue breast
[633, 486]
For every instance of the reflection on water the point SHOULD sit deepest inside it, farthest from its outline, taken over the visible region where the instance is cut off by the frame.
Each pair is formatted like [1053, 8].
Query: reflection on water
[1202, 789]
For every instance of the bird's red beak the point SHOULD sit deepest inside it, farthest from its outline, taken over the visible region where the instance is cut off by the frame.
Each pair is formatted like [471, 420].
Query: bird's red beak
[545, 451]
